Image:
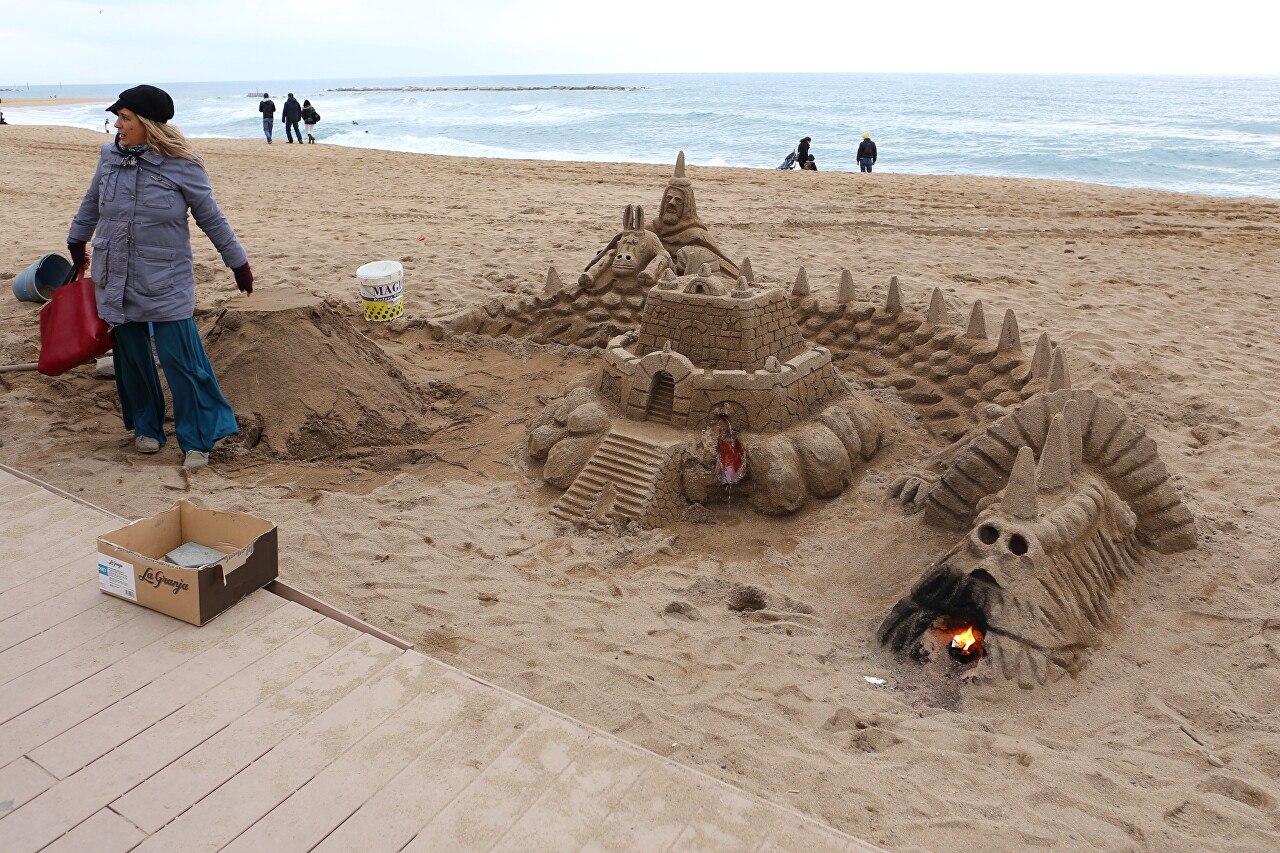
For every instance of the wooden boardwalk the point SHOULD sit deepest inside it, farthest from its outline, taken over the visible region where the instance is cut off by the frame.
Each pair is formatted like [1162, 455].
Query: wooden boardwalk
[276, 728]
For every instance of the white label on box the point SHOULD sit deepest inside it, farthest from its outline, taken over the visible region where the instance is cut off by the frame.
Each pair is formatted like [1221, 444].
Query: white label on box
[116, 577]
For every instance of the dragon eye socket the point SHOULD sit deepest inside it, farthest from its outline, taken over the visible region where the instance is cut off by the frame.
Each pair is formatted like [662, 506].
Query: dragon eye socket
[988, 535]
[1018, 544]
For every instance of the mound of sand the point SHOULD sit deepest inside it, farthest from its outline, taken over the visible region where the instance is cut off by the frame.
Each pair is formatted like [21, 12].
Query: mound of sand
[304, 382]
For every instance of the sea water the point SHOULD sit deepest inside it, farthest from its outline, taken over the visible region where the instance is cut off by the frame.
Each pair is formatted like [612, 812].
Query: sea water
[1216, 135]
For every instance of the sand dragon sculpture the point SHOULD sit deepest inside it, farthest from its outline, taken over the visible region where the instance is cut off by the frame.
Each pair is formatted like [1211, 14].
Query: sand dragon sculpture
[695, 353]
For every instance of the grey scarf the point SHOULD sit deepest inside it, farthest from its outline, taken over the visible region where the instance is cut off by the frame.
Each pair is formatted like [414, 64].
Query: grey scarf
[131, 153]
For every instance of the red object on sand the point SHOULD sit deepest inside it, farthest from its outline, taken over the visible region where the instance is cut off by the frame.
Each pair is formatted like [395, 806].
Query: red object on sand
[731, 461]
[71, 332]
[421, 237]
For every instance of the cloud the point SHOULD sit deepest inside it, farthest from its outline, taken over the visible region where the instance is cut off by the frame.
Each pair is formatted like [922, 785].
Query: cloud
[125, 40]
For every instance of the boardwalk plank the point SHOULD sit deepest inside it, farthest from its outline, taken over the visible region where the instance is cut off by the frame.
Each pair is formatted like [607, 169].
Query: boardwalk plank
[650, 817]
[55, 609]
[84, 629]
[20, 780]
[504, 790]
[75, 798]
[486, 726]
[304, 819]
[50, 553]
[244, 799]
[104, 832]
[49, 679]
[83, 722]
[34, 531]
[189, 780]
[572, 806]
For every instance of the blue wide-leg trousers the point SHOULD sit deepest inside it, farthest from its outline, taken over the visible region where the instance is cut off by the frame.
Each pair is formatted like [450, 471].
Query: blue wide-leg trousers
[201, 415]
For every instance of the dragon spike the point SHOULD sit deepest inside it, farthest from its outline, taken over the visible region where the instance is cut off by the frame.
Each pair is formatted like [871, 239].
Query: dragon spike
[937, 308]
[1040, 360]
[554, 284]
[1054, 474]
[1075, 433]
[845, 293]
[1020, 495]
[679, 172]
[893, 299]
[1059, 378]
[977, 327]
[801, 286]
[743, 284]
[1010, 338]
[746, 271]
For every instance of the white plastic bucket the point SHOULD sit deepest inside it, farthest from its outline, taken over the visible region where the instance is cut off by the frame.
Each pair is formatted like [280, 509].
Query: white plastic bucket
[381, 290]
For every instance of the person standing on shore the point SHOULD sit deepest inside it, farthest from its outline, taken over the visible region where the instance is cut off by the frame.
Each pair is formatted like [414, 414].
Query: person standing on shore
[135, 211]
[802, 151]
[310, 118]
[268, 109]
[292, 114]
[866, 153]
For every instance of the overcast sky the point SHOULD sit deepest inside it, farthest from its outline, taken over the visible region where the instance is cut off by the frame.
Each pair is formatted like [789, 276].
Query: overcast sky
[72, 41]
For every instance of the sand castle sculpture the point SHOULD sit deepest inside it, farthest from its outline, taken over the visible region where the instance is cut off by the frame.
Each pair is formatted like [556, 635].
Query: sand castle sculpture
[706, 352]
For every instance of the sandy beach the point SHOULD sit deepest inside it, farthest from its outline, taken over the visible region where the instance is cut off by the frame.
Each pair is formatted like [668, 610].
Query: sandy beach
[1169, 740]
[6, 101]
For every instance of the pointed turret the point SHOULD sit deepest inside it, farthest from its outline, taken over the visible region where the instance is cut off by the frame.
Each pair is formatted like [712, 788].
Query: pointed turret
[1059, 378]
[977, 327]
[745, 271]
[554, 284]
[801, 286]
[1010, 338]
[845, 293]
[679, 172]
[1054, 473]
[937, 308]
[1075, 434]
[1020, 495]
[893, 299]
[1040, 359]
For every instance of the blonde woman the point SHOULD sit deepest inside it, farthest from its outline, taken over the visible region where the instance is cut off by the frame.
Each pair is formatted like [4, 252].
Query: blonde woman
[135, 211]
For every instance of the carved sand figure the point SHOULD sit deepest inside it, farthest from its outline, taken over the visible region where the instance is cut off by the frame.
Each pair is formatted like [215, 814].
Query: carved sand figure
[700, 355]
[683, 233]
[634, 252]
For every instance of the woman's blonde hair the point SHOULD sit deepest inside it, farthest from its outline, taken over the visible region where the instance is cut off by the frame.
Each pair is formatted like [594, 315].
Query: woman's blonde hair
[169, 141]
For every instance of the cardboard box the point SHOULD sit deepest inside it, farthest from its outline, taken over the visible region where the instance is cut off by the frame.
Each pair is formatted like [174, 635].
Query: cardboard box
[131, 563]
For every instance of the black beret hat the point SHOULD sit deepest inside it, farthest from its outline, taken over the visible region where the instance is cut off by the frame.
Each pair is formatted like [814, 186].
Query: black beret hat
[147, 101]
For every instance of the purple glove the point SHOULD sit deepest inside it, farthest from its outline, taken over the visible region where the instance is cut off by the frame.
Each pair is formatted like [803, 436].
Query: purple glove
[244, 277]
[78, 257]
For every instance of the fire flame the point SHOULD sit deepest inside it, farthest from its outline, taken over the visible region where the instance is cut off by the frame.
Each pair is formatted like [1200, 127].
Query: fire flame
[964, 640]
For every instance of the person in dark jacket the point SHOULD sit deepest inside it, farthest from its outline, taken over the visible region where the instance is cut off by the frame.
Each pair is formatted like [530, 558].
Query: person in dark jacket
[268, 109]
[810, 164]
[310, 118]
[866, 153]
[292, 114]
[136, 213]
[802, 151]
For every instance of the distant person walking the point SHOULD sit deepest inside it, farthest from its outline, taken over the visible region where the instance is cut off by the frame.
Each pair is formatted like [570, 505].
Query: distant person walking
[292, 114]
[866, 153]
[268, 109]
[802, 151]
[106, 125]
[310, 118]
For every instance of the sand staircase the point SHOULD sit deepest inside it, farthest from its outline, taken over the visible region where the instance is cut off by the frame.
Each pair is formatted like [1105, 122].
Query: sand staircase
[617, 483]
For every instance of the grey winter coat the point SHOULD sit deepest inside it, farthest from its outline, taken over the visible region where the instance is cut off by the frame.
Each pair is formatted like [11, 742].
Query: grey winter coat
[141, 256]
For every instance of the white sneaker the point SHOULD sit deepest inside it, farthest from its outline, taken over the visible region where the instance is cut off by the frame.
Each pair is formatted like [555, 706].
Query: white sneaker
[195, 459]
[146, 444]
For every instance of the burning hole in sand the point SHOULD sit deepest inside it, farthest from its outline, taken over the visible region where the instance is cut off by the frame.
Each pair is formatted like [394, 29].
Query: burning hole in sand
[965, 644]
